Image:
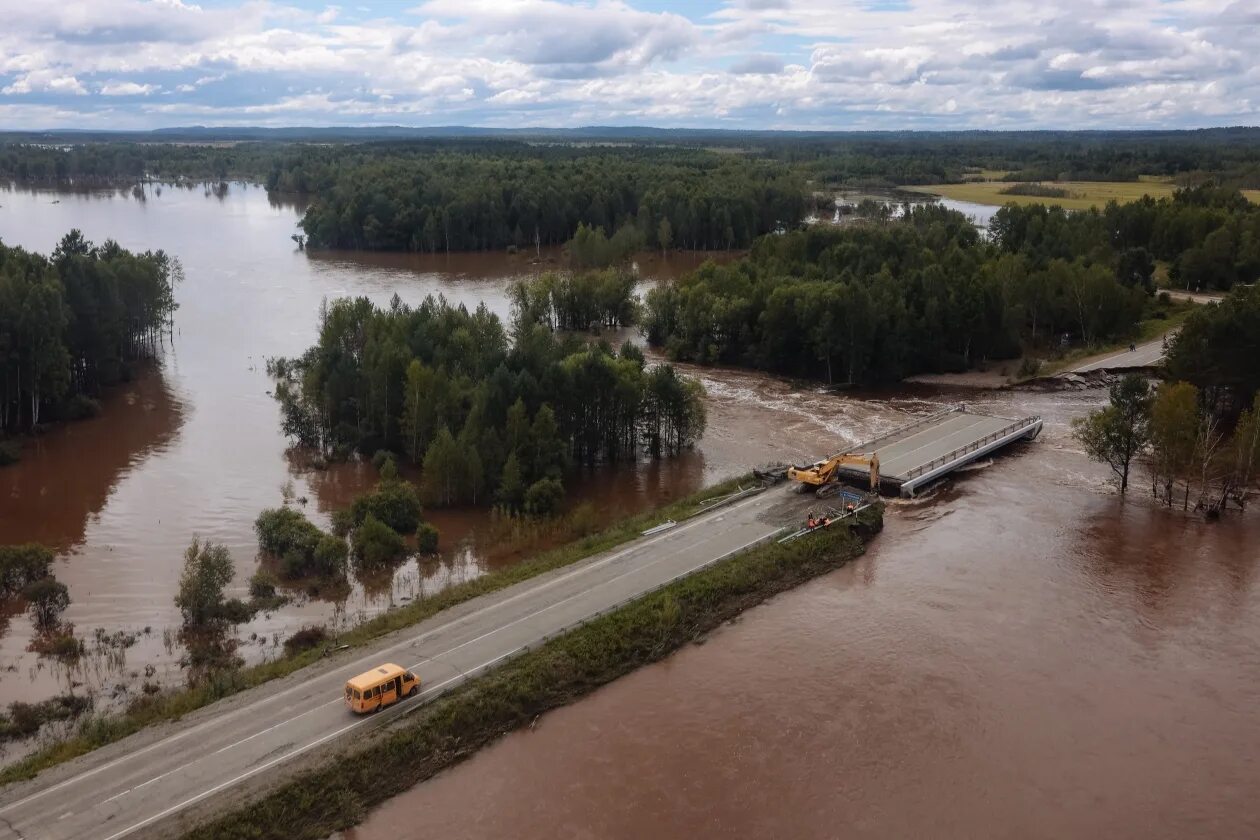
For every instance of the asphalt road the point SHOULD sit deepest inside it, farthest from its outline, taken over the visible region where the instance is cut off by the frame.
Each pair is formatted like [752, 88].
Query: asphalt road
[1144, 355]
[137, 786]
[925, 444]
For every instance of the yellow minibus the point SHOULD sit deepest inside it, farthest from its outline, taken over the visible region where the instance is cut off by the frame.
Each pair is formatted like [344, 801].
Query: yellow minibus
[380, 687]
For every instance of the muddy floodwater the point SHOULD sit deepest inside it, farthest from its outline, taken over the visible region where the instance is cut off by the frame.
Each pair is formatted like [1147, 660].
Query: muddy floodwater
[193, 446]
[1020, 654]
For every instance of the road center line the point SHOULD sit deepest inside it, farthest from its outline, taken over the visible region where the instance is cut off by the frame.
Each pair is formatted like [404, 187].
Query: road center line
[223, 718]
[489, 663]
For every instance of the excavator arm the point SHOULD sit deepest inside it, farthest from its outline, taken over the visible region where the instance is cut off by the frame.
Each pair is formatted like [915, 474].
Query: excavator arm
[824, 473]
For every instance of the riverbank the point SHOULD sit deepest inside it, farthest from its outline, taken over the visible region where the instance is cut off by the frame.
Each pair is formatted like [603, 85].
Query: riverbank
[146, 711]
[443, 733]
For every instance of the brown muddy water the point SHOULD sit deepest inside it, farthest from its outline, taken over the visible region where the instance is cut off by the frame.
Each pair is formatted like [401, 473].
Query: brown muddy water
[193, 445]
[1022, 653]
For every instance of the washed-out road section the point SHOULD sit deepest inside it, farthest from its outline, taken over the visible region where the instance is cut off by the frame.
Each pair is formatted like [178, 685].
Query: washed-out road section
[135, 788]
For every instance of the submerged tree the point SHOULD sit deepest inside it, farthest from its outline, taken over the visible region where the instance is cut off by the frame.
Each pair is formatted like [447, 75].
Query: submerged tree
[1116, 433]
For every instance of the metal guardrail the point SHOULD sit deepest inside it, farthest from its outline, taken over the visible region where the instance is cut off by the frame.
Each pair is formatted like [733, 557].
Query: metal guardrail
[971, 447]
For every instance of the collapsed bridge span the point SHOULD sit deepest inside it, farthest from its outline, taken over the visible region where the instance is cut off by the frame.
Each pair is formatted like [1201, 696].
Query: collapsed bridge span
[912, 456]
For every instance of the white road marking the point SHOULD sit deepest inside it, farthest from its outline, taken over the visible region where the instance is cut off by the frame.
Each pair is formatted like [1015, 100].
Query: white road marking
[219, 719]
[489, 663]
[434, 659]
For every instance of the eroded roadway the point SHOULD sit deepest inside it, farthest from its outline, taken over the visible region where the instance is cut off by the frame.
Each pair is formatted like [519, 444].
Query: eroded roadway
[136, 787]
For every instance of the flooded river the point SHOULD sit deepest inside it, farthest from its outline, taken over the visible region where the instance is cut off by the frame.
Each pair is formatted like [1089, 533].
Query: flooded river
[193, 446]
[1020, 654]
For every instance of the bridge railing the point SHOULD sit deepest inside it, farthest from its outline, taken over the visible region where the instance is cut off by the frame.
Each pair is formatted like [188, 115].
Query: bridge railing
[954, 455]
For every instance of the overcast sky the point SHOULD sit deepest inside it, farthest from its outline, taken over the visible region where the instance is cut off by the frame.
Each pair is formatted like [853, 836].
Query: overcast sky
[880, 64]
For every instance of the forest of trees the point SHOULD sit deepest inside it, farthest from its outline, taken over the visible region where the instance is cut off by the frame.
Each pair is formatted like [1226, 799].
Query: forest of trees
[425, 199]
[696, 190]
[1209, 236]
[489, 421]
[874, 303]
[73, 323]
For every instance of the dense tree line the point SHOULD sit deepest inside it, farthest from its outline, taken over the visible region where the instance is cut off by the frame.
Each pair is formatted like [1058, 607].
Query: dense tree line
[875, 303]
[426, 199]
[1218, 352]
[489, 421]
[871, 303]
[74, 322]
[291, 162]
[126, 163]
[1209, 235]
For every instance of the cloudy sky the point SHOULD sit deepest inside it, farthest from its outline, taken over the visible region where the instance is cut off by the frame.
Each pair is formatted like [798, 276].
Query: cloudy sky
[838, 64]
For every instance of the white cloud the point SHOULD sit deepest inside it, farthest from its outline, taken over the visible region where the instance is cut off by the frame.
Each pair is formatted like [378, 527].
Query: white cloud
[127, 89]
[752, 63]
[44, 81]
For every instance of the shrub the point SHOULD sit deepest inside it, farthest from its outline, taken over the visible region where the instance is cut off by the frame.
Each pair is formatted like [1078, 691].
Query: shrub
[543, 497]
[380, 458]
[10, 452]
[48, 598]
[82, 407]
[1029, 367]
[25, 719]
[263, 584]
[22, 565]
[281, 529]
[305, 639]
[236, 611]
[1038, 190]
[287, 534]
[395, 503]
[207, 571]
[427, 539]
[343, 522]
[376, 544]
[330, 557]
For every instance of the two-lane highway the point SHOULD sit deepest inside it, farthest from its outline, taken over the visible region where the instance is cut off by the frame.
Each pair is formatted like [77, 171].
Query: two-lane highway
[131, 788]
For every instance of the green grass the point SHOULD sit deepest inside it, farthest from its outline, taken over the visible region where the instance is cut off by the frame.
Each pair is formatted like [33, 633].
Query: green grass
[98, 731]
[1080, 194]
[338, 793]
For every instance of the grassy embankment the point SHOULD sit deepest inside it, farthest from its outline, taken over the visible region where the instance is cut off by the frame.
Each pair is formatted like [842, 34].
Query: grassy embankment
[98, 731]
[337, 795]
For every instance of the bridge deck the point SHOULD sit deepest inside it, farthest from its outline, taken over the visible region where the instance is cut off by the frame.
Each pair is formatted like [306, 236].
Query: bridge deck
[928, 448]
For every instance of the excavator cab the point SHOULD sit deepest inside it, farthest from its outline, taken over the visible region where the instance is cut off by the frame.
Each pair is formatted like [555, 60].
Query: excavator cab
[824, 476]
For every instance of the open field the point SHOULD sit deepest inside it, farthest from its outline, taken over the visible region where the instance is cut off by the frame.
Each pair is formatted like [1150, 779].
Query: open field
[1083, 194]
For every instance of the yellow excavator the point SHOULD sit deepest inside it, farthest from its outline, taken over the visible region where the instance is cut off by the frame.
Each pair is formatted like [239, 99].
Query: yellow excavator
[825, 475]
